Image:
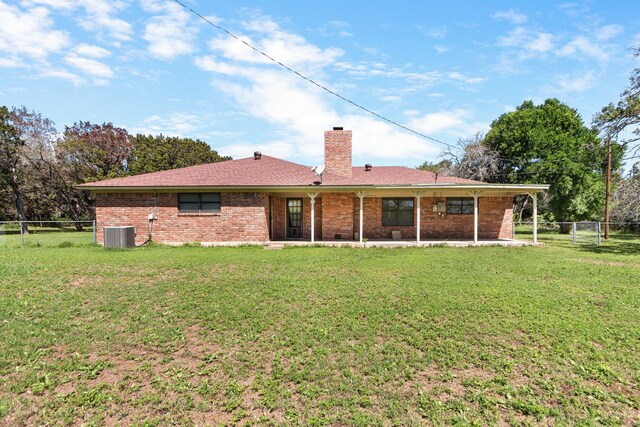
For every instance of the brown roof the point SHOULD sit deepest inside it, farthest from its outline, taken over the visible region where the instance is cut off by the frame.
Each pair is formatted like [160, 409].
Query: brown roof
[398, 175]
[272, 172]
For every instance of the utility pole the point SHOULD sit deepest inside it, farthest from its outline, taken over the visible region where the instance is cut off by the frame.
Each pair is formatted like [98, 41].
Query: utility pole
[608, 191]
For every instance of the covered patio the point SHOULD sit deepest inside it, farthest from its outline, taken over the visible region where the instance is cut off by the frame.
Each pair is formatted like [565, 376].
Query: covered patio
[399, 215]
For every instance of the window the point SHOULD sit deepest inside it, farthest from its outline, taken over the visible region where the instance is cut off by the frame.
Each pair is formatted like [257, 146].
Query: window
[199, 202]
[459, 205]
[397, 211]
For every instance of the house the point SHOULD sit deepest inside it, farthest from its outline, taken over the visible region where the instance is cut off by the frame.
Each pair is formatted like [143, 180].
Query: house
[262, 199]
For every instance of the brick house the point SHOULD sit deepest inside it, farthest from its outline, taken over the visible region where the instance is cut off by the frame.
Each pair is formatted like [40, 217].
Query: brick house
[262, 199]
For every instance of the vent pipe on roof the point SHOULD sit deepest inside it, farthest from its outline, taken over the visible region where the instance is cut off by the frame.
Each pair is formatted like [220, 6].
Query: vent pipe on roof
[368, 167]
[257, 155]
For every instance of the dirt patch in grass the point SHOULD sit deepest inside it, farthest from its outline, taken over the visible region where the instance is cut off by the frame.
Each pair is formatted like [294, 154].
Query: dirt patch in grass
[157, 336]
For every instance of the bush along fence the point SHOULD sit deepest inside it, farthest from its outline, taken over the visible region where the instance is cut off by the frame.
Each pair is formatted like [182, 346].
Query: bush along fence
[47, 233]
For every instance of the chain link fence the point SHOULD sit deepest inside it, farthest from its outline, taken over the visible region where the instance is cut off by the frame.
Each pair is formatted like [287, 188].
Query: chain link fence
[580, 233]
[47, 233]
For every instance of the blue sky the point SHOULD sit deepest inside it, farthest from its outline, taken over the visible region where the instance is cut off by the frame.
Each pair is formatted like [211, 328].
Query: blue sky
[446, 69]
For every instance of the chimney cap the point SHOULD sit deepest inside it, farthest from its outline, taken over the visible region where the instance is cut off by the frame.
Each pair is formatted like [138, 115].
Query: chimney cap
[257, 155]
[338, 128]
[368, 167]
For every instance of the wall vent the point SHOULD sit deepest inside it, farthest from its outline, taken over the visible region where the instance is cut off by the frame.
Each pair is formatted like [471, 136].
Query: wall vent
[119, 237]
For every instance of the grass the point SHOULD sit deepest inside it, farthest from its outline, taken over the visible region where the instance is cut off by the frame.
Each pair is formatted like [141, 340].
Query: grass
[320, 336]
[46, 236]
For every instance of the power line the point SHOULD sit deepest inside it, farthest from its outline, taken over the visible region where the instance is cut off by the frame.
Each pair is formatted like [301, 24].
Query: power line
[313, 82]
[310, 80]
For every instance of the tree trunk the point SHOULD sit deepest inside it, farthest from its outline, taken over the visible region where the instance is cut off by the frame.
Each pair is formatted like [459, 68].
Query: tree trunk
[566, 227]
[524, 204]
[17, 198]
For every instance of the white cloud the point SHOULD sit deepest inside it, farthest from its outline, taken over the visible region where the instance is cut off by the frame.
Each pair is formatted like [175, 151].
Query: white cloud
[425, 79]
[368, 69]
[436, 122]
[29, 33]
[441, 49]
[380, 139]
[99, 15]
[55, 4]
[575, 83]
[209, 63]
[177, 124]
[291, 104]
[608, 32]
[433, 32]
[11, 62]
[61, 74]
[542, 43]
[573, 9]
[515, 38]
[511, 16]
[335, 28]
[530, 42]
[583, 46]
[91, 51]
[454, 122]
[466, 79]
[90, 66]
[281, 45]
[171, 33]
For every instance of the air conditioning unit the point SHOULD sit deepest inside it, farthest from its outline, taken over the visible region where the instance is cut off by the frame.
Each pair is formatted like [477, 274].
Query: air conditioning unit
[119, 237]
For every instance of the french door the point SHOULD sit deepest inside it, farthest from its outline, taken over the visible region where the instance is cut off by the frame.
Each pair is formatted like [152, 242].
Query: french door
[294, 218]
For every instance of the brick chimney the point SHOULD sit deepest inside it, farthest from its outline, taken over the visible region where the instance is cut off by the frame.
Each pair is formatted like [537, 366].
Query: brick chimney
[337, 151]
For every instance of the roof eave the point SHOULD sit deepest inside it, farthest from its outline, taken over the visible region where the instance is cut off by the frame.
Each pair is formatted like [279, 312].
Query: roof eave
[523, 188]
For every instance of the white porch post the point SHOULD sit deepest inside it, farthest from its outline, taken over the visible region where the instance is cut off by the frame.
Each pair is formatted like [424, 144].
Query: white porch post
[475, 195]
[361, 195]
[534, 196]
[312, 197]
[418, 196]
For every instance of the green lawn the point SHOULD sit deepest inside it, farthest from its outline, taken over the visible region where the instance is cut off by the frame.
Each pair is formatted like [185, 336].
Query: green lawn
[47, 236]
[320, 336]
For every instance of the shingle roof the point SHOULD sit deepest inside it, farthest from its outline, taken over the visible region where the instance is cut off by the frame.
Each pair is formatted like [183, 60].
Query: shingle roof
[272, 172]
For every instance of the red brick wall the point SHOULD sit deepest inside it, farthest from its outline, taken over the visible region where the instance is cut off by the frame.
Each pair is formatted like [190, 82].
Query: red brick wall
[337, 152]
[372, 223]
[337, 216]
[495, 216]
[243, 217]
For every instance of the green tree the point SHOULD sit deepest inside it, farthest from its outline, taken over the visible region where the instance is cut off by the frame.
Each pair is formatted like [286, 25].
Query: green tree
[550, 144]
[443, 167]
[94, 152]
[626, 200]
[11, 177]
[625, 115]
[158, 153]
[37, 158]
